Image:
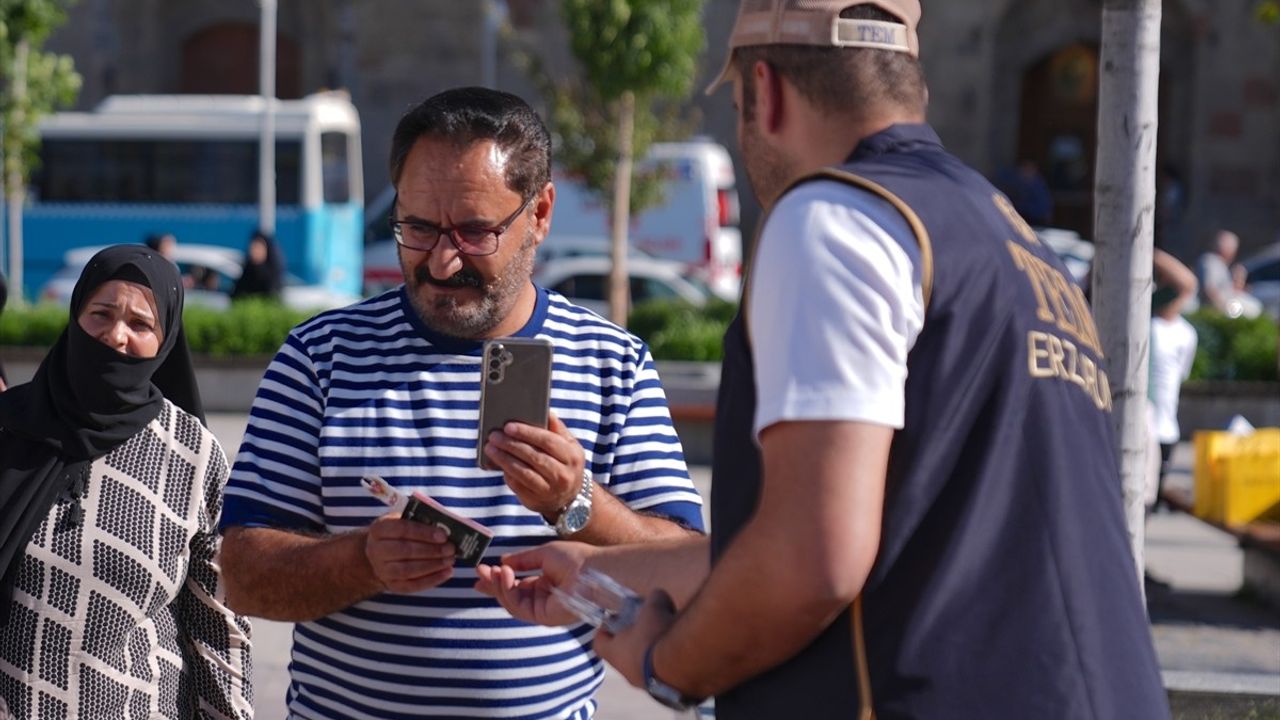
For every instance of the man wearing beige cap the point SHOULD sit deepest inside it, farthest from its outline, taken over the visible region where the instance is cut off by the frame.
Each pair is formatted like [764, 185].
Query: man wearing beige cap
[916, 508]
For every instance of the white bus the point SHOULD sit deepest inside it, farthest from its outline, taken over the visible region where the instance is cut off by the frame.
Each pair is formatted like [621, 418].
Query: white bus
[188, 164]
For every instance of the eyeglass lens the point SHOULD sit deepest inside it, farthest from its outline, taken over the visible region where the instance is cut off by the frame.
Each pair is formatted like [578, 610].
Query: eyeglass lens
[469, 240]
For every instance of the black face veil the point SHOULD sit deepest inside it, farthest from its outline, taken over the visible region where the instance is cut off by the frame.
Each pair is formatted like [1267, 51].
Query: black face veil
[85, 400]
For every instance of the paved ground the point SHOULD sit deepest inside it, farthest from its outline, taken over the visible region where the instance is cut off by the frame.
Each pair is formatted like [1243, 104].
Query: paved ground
[1202, 627]
[1200, 620]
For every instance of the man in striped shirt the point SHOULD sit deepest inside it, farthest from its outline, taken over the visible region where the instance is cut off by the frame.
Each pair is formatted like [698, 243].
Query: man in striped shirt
[388, 627]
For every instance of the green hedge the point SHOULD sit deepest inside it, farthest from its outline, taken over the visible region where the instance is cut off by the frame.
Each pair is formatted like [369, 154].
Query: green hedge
[249, 327]
[679, 331]
[674, 330]
[36, 326]
[1228, 349]
[1234, 348]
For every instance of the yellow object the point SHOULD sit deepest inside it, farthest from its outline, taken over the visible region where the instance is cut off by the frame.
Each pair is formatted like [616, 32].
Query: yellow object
[1237, 477]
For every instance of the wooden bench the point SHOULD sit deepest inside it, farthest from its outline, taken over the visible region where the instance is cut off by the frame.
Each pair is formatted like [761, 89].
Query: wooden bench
[1260, 542]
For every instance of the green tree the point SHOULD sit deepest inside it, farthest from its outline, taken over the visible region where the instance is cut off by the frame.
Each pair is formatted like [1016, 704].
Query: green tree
[637, 60]
[1269, 11]
[34, 83]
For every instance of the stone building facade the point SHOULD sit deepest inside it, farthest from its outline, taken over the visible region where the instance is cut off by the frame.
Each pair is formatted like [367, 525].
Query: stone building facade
[1009, 80]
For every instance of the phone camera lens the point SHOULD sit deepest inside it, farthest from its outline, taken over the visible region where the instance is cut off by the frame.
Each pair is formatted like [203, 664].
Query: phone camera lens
[495, 363]
[495, 376]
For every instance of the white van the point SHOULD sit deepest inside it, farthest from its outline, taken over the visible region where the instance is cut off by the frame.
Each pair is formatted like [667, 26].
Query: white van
[696, 224]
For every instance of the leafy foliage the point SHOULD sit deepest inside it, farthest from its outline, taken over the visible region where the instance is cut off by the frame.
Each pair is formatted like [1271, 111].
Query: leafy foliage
[249, 327]
[676, 330]
[1234, 348]
[36, 326]
[52, 82]
[1268, 11]
[642, 46]
[648, 47]
[1228, 348]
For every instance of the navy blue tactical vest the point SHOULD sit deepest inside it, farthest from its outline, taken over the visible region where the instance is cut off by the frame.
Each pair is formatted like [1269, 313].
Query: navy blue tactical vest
[1004, 586]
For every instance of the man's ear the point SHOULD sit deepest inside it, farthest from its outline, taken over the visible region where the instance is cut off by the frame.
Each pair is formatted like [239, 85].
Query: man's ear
[770, 104]
[543, 209]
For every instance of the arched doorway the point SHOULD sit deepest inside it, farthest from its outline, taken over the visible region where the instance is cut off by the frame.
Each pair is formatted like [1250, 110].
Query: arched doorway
[222, 59]
[1044, 96]
[1059, 130]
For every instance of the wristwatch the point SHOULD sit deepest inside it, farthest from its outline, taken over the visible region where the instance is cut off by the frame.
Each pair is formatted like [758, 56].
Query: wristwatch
[576, 514]
[661, 691]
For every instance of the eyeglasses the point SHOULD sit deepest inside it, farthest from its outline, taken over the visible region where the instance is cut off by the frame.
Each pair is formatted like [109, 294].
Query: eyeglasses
[469, 239]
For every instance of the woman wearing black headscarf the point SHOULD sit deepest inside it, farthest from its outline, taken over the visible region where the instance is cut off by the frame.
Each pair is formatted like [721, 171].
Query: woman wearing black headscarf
[263, 273]
[110, 492]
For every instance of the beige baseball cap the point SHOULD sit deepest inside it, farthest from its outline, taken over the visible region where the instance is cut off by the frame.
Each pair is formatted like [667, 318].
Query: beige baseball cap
[818, 22]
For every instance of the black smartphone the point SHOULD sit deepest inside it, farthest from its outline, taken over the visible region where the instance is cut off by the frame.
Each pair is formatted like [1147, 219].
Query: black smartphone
[516, 385]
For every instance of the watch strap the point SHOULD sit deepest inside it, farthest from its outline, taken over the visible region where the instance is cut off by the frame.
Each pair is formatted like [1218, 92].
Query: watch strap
[582, 498]
[659, 690]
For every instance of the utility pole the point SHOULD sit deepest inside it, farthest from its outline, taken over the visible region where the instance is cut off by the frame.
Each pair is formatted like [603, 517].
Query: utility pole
[13, 171]
[267, 135]
[489, 42]
[1124, 198]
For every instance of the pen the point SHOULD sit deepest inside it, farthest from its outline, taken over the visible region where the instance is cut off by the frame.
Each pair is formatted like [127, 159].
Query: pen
[382, 490]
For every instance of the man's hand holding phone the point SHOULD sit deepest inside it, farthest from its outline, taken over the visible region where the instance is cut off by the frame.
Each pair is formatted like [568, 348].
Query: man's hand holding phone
[543, 467]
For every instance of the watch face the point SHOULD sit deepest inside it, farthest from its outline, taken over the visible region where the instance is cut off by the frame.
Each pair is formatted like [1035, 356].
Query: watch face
[576, 517]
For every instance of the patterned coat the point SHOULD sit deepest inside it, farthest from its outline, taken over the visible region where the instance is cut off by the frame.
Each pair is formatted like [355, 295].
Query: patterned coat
[122, 616]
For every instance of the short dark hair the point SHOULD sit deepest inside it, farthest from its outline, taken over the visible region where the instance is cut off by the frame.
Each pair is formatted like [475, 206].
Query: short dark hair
[466, 115]
[840, 81]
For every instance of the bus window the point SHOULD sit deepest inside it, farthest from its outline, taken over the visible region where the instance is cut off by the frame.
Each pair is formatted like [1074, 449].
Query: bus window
[163, 171]
[334, 168]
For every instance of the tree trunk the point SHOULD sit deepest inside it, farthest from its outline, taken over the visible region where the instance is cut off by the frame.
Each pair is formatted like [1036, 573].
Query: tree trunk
[619, 288]
[15, 188]
[1124, 192]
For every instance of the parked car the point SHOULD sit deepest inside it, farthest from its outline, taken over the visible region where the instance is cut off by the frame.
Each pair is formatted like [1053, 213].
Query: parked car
[585, 281]
[572, 246]
[696, 223]
[381, 266]
[1264, 278]
[1074, 251]
[213, 272]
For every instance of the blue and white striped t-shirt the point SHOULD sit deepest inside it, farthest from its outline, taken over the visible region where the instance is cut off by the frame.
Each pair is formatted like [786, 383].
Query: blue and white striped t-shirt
[369, 389]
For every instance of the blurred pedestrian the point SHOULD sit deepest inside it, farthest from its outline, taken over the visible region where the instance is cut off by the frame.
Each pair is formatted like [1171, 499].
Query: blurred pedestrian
[1242, 303]
[110, 492]
[916, 509]
[1173, 349]
[164, 243]
[1213, 271]
[167, 245]
[1171, 207]
[263, 274]
[1028, 191]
